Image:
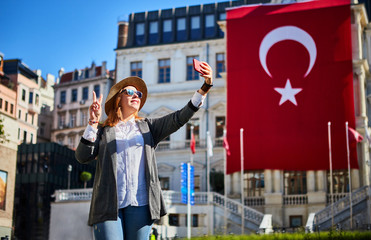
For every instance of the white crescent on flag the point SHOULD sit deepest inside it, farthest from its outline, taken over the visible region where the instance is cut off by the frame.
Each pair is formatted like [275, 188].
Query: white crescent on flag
[287, 33]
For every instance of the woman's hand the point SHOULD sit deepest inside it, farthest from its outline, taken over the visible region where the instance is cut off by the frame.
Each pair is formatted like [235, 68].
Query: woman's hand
[95, 110]
[207, 73]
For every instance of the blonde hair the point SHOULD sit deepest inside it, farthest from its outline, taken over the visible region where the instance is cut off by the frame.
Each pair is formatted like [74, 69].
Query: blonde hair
[114, 116]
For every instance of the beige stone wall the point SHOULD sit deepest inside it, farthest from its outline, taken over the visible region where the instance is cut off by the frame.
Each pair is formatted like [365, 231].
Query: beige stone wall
[8, 159]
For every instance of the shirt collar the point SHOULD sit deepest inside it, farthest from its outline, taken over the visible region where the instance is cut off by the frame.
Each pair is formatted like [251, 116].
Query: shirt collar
[131, 121]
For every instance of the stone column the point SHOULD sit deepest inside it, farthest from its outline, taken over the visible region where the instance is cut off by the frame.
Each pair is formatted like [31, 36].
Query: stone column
[321, 181]
[268, 181]
[277, 181]
[311, 181]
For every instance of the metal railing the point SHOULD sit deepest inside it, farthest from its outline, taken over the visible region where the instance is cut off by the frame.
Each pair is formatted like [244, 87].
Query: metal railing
[73, 195]
[341, 205]
[235, 207]
[180, 145]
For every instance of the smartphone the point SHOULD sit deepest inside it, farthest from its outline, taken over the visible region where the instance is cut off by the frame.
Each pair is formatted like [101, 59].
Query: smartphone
[197, 66]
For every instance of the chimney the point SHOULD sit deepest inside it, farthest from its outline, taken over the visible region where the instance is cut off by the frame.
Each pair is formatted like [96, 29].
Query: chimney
[123, 34]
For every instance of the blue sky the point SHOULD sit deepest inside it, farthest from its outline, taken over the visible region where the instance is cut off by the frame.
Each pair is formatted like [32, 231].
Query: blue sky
[50, 34]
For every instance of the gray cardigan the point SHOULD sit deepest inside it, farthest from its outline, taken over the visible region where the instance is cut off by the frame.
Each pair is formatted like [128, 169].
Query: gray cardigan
[104, 204]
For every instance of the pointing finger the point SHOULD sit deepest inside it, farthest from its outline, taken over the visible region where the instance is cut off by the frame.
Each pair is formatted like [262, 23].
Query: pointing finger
[94, 97]
[100, 98]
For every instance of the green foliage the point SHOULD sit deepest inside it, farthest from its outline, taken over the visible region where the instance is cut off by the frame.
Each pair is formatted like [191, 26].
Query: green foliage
[3, 135]
[85, 176]
[295, 236]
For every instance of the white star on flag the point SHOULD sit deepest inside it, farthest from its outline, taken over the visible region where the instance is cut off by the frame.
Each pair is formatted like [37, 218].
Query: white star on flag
[288, 93]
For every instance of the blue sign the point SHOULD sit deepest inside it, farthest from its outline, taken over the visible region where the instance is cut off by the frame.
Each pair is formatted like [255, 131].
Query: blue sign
[184, 183]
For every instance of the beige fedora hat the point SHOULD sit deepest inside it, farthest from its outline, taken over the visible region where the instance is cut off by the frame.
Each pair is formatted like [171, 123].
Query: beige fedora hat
[136, 82]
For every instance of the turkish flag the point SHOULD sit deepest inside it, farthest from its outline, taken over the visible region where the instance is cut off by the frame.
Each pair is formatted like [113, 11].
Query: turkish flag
[289, 73]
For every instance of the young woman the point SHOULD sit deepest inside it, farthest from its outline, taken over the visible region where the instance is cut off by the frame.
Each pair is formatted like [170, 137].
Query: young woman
[127, 196]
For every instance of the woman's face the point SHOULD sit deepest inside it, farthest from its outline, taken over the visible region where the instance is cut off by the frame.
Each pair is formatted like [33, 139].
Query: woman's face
[130, 103]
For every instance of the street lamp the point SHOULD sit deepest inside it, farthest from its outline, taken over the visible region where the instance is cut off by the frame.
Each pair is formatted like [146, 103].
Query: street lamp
[69, 169]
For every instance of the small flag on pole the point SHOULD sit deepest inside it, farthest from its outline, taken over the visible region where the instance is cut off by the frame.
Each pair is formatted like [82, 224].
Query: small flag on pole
[354, 135]
[225, 143]
[193, 142]
[209, 145]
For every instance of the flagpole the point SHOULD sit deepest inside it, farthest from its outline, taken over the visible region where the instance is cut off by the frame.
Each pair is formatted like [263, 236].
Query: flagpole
[331, 186]
[208, 155]
[242, 185]
[349, 176]
[189, 190]
[225, 183]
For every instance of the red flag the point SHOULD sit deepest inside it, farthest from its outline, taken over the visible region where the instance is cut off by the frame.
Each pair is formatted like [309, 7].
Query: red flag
[193, 142]
[354, 136]
[289, 73]
[226, 145]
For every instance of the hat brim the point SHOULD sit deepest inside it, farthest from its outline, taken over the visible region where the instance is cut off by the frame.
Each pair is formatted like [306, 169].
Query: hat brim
[136, 82]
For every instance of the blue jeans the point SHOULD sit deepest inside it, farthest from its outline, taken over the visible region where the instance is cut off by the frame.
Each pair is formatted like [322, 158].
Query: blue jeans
[133, 223]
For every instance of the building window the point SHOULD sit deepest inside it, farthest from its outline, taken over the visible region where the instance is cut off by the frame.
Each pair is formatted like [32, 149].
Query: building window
[254, 181]
[136, 69]
[194, 220]
[60, 140]
[6, 106]
[19, 133]
[19, 114]
[197, 183]
[24, 136]
[295, 182]
[222, 17]
[42, 129]
[167, 31]
[164, 71]
[195, 28]
[219, 126]
[139, 34]
[220, 64]
[71, 142]
[63, 97]
[153, 32]
[97, 90]
[84, 118]
[31, 138]
[181, 34]
[296, 221]
[191, 73]
[26, 117]
[1, 103]
[76, 75]
[23, 95]
[37, 99]
[86, 73]
[11, 108]
[209, 25]
[85, 93]
[73, 119]
[165, 183]
[32, 118]
[340, 181]
[30, 99]
[62, 120]
[174, 219]
[74, 95]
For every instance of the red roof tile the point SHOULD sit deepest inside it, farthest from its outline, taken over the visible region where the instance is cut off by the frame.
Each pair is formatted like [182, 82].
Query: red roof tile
[67, 77]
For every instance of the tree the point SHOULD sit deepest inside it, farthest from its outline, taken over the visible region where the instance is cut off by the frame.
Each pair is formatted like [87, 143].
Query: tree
[3, 135]
[85, 177]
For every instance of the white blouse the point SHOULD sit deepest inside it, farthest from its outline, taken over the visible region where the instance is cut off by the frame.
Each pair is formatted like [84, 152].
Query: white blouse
[131, 182]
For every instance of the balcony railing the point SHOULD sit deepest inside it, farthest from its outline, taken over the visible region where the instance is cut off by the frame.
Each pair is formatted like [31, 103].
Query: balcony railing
[298, 199]
[180, 145]
[73, 195]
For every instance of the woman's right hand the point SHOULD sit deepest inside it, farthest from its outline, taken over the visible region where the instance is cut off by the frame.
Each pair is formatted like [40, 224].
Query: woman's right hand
[95, 109]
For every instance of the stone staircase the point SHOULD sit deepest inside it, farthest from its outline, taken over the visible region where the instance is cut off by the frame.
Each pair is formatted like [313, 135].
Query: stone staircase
[338, 213]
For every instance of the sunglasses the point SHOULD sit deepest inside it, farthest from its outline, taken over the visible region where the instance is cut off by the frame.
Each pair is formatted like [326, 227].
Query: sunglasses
[131, 92]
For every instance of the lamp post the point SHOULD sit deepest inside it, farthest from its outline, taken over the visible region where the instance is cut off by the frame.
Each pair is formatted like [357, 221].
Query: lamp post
[69, 169]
